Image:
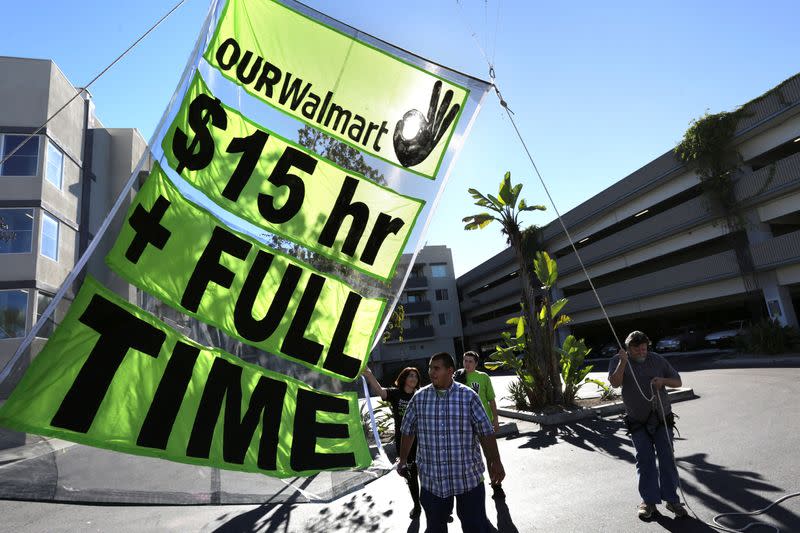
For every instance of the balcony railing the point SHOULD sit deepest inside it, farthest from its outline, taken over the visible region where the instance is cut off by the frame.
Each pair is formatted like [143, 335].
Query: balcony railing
[511, 287]
[692, 273]
[412, 334]
[777, 251]
[494, 325]
[416, 283]
[784, 174]
[420, 332]
[669, 222]
[417, 308]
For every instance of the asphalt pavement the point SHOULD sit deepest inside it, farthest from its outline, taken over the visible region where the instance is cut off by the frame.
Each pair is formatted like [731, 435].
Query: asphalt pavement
[737, 451]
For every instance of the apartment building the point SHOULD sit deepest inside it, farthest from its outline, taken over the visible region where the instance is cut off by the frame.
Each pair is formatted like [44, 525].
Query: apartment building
[432, 320]
[55, 190]
[661, 257]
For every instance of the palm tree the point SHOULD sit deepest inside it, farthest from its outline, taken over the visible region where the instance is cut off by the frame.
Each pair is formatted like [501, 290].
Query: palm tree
[506, 209]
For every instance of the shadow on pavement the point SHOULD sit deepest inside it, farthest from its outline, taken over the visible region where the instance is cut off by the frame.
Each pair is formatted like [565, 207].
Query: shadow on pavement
[358, 514]
[681, 525]
[250, 520]
[602, 435]
[725, 490]
[504, 522]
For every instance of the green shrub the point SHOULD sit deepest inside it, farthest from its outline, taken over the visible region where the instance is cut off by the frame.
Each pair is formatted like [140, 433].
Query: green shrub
[608, 391]
[519, 395]
[573, 352]
[768, 336]
[383, 419]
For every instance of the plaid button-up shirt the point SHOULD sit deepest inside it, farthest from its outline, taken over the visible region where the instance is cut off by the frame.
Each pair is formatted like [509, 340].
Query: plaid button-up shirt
[447, 427]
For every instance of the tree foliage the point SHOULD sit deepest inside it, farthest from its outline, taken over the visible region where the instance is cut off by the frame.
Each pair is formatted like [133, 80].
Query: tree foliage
[340, 153]
[707, 147]
[530, 352]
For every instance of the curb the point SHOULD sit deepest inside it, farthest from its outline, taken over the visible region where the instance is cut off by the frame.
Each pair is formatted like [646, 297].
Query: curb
[765, 361]
[675, 395]
[506, 429]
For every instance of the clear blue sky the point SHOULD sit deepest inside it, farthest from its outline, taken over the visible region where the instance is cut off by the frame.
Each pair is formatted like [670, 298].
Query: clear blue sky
[599, 89]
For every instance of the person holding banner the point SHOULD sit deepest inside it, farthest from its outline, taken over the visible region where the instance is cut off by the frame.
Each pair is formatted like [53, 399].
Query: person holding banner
[399, 396]
[448, 420]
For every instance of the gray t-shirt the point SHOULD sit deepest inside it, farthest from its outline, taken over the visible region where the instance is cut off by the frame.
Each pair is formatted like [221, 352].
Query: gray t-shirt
[654, 366]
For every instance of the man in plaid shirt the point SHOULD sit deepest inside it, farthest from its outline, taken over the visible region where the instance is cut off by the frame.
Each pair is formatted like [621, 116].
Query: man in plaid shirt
[448, 421]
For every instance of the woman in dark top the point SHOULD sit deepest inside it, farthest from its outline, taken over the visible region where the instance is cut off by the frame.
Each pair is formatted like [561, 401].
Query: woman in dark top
[406, 385]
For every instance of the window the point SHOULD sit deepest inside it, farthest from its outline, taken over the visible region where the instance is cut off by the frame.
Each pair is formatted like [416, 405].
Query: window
[441, 294]
[42, 301]
[439, 270]
[25, 161]
[55, 165]
[16, 231]
[13, 309]
[444, 319]
[49, 244]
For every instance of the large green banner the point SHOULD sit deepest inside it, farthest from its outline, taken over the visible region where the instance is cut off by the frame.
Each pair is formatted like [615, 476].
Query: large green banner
[361, 95]
[256, 174]
[189, 259]
[299, 160]
[113, 376]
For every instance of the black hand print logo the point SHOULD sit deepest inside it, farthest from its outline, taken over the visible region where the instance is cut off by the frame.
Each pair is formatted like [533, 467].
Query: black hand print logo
[413, 151]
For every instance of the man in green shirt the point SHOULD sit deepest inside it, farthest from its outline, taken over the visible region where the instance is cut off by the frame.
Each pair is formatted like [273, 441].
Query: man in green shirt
[481, 383]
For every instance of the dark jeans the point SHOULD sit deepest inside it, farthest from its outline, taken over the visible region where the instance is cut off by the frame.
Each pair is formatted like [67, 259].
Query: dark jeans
[655, 483]
[470, 507]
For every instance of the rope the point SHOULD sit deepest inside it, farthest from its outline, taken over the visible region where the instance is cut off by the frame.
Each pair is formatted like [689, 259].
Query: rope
[473, 34]
[82, 89]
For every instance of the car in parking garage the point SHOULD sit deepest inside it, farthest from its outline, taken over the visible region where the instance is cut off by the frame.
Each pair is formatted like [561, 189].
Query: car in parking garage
[725, 337]
[682, 339]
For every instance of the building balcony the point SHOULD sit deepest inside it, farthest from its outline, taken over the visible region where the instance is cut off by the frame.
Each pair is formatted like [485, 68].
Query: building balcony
[776, 252]
[420, 332]
[693, 273]
[417, 308]
[416, 283]
[494, 325]
[412, 334]
[511, 287]
[670, 222]
[783, 175]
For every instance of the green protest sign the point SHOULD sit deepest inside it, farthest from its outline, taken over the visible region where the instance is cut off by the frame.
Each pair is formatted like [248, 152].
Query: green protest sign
[187, 258]
[347, 88]
[114, 376]
[292, 192]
